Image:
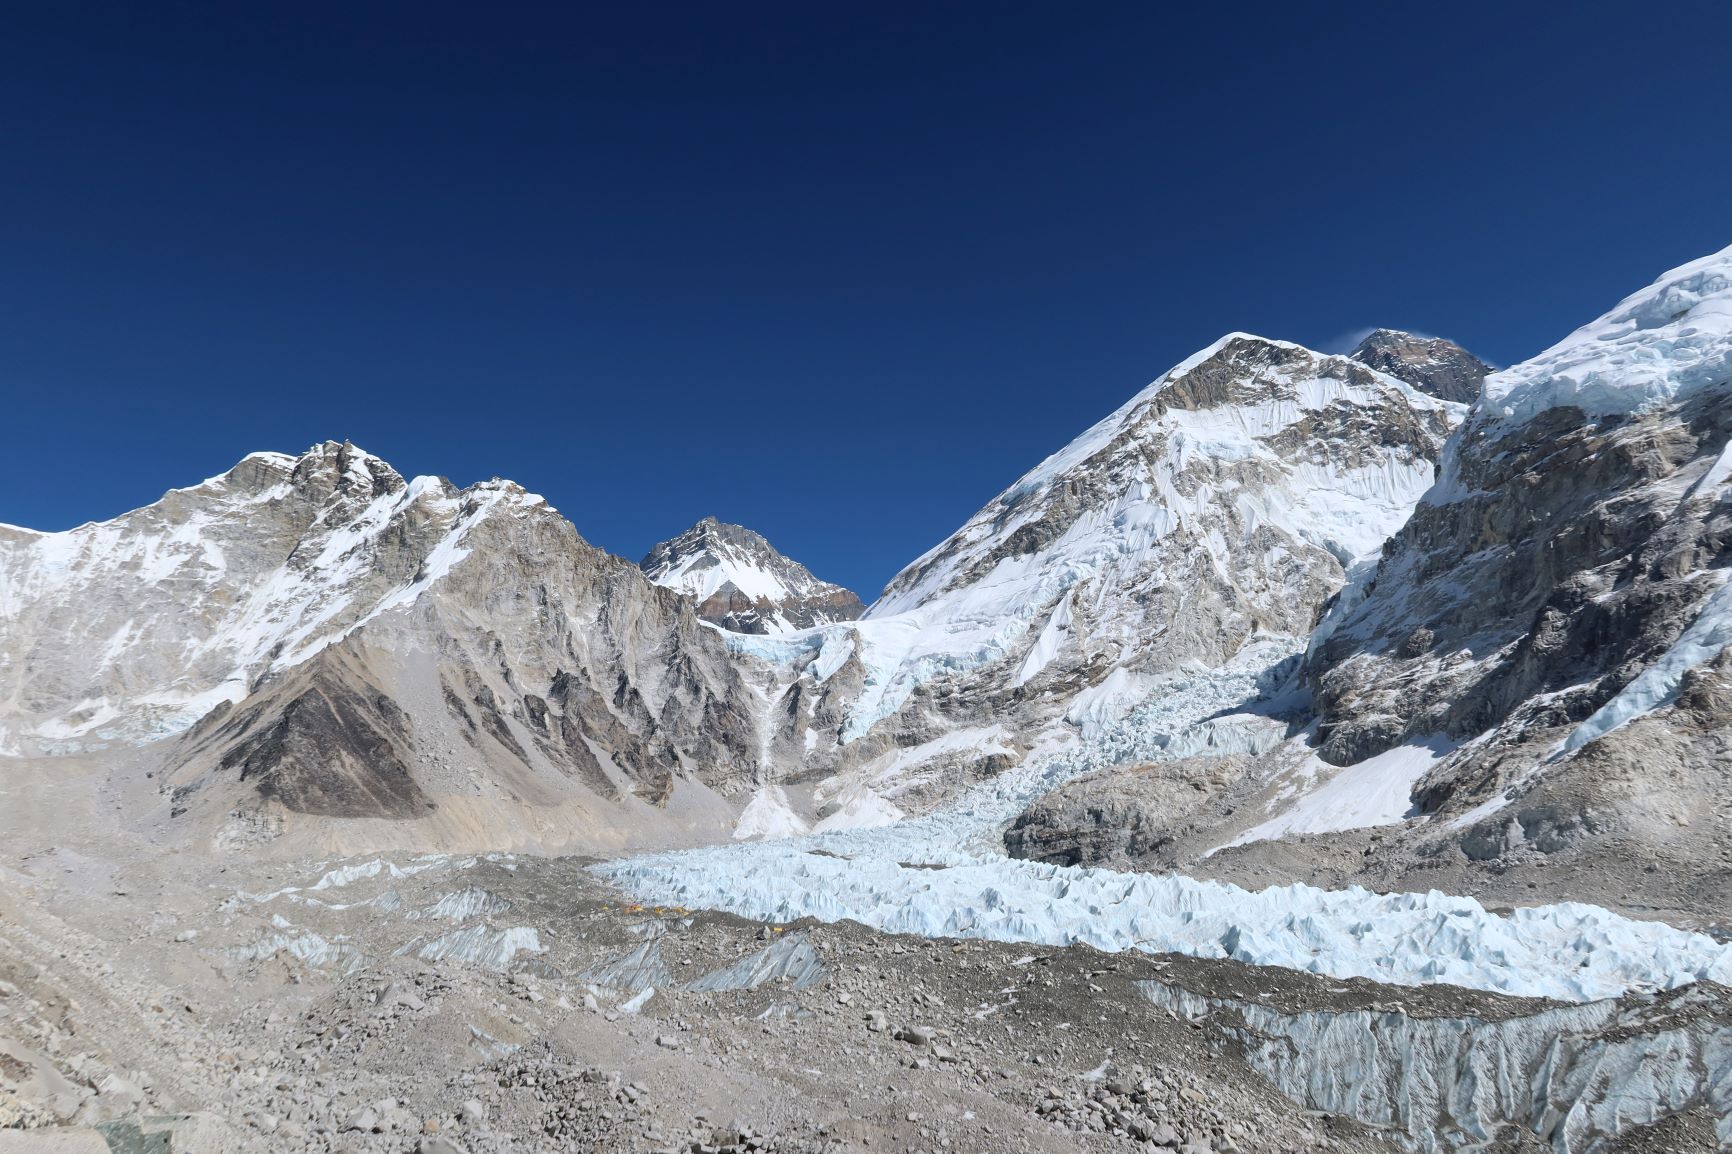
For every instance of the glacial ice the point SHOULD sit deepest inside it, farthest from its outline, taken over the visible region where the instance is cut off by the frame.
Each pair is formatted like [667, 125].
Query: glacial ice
[1570, 951]
[309, 947]
[789, 958]
[640, 969]
[1576, 1078]
[463, 905]
[480, 945]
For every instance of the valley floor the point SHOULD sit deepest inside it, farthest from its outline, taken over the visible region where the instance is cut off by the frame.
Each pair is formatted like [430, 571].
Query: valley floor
[521, 1004]
[906, 988]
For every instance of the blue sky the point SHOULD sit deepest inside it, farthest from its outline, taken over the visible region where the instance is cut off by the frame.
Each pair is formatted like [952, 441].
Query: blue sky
[839, 273]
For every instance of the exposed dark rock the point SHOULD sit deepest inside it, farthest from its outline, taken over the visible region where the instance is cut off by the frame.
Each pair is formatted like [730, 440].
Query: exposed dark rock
[1433, 365]
[332, 751]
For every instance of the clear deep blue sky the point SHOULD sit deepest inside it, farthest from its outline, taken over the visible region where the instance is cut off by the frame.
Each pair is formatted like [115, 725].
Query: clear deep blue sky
[837, 272]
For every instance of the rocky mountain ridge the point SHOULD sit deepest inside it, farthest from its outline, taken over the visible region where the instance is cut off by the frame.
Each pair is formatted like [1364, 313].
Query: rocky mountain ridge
[1455, 649]
[363, 650]
[357, 646]
[1204, 523]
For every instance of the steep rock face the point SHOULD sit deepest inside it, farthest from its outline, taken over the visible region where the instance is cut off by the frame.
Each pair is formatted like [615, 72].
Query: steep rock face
[743, 584]
[378, 649]
[1441, 368]
[1558, 604]
[1580, 524]
[1528, 690]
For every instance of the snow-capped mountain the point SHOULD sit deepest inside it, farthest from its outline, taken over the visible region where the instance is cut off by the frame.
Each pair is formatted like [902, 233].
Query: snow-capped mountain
[355, 645]
[1213, 514]
[1431, 364]
[1529, 689]
[743, 584]
[1221, 503]
[187, 602]
[1558, 600]
[1504, 634]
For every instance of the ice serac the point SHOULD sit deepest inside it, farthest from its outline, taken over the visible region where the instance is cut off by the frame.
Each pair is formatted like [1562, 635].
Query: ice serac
[316, 638]
[1431, 364]
[743, 584]
[1556, 603]
[1571, 1079]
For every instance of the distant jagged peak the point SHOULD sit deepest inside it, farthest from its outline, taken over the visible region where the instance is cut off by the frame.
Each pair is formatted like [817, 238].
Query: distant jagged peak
[350, 464]
[1433, 365]
[743, 583]
[1238, 371]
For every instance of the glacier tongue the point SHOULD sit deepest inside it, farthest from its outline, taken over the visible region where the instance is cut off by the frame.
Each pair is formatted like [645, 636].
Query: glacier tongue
[1571, 951]
[885, 878]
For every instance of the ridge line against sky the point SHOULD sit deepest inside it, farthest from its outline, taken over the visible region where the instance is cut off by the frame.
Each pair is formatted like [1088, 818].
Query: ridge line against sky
[837, 277]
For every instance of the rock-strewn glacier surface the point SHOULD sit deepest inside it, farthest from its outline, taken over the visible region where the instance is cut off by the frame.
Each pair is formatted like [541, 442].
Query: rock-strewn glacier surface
[1577, 1078]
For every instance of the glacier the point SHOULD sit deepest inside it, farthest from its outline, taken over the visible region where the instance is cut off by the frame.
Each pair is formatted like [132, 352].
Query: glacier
[1575, 1077]
[942, 876]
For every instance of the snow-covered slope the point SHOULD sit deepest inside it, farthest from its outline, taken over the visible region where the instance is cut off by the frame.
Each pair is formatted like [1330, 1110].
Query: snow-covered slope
[1657, 347]
[318, 637]
[742, 583]
[1220, 504]
[133, 628]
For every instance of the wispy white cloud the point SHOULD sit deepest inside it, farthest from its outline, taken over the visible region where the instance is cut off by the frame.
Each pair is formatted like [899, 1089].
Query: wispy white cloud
[1346, 342]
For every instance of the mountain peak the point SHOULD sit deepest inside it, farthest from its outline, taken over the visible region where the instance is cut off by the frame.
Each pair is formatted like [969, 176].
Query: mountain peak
[1430, 364]
[742, 583]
